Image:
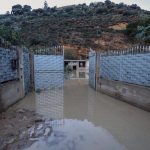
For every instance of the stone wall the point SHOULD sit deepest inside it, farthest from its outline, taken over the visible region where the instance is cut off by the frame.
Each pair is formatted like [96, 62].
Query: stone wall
[6, 71]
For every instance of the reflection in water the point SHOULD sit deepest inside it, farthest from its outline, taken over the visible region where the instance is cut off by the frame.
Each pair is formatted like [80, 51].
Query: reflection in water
[77, 74]
[91, 105]
[78, 135]
[49, 103]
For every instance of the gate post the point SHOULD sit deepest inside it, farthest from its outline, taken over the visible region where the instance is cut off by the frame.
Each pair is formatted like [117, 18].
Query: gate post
[92, 69]
[31, 59]
[97, 70]
[21, 72]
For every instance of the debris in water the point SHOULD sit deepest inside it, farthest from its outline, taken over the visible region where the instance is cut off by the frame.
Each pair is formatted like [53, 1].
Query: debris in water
[18, 127]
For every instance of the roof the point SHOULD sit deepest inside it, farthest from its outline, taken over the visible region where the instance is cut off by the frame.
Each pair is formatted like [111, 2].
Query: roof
[75, 60]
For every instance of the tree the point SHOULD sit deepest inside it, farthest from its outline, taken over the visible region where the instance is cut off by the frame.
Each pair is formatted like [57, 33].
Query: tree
[10, 35]
[134, 6]
[38, 11]
[69, 9]
[140, 30]
[143, 34]
[45, 5]
[54, 9]
[121, 5]
[101, 10]
[27, 9]
[108, 2]
[17, 10]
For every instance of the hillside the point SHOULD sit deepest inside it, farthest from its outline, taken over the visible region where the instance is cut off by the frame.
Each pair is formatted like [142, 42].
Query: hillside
[99, 25]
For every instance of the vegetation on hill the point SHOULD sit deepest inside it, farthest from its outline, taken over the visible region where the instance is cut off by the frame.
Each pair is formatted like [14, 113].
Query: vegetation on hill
[140, 31]
[98, 25]
[10, 35]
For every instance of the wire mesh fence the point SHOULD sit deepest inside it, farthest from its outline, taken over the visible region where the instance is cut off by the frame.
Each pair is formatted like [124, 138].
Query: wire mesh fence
[130, 65]
[49, 81]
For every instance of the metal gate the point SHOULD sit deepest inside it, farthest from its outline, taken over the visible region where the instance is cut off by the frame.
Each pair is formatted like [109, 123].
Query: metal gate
[49, 68]
[92, 69]
[49, 81]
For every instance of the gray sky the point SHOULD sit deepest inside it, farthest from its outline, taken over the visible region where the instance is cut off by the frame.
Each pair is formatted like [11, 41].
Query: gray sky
[5, 5]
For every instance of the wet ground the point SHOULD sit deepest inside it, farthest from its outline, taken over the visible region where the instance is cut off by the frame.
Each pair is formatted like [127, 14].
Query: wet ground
[129, 126]
[20, 128]
[85, 119]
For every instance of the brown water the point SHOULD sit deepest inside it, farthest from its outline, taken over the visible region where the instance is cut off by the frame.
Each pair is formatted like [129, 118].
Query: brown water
[115, 121]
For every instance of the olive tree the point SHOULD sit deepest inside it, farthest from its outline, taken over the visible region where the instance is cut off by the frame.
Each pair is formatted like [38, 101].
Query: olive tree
[17, 10]
[26, 9]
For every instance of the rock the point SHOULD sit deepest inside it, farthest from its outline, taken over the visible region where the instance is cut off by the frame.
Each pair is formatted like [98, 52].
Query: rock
[20, 111]
[31, 131]
[40, 127]
[11, 141]
[47, 131]
[39, 133]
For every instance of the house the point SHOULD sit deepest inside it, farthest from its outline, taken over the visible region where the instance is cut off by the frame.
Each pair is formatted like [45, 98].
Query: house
[77, 68]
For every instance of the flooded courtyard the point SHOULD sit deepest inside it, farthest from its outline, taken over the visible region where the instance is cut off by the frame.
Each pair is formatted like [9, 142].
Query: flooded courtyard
[84, 119]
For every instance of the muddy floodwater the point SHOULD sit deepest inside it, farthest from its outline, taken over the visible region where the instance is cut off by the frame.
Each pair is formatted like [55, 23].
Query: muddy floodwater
[86, 120]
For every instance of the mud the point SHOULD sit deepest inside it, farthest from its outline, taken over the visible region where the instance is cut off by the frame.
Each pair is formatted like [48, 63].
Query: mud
[20, 128]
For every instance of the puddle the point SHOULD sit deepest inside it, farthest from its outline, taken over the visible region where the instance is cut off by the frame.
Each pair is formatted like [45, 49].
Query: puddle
[77, 74]
[77, 135]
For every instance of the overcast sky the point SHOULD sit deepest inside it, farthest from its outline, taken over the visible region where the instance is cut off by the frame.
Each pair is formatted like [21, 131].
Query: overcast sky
[5, 5]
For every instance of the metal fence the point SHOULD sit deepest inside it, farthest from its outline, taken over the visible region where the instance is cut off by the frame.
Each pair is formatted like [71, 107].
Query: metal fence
[54, 50]
[49, 68]
[49, 81]
[130, 66]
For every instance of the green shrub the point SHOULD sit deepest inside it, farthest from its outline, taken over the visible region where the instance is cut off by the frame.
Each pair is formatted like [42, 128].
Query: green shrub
[10, 35]
[139, 31]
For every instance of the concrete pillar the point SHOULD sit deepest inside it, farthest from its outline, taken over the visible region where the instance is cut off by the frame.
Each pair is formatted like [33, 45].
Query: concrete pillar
[97, 70]
[31, 58]
[21, 72]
